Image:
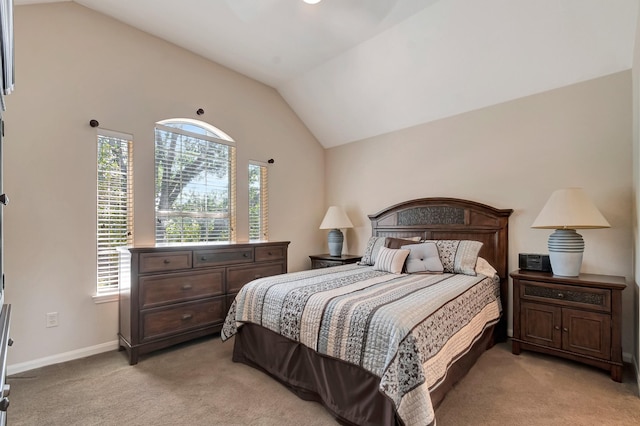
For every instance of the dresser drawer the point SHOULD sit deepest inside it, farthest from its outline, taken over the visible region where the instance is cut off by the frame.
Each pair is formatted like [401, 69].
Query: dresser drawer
[219, 257]
[270, 253]
[596, 299]
[170, 261]
[239, 276]
[156, 290]
[158, 323]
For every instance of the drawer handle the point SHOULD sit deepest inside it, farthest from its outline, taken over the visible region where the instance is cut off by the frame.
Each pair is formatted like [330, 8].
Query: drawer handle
[186, 317]
[186, 287]
[560, 295]
[565, 329]
[270, 254]
[167, 261]
[557, 327]
[203, 258]
[245, 254]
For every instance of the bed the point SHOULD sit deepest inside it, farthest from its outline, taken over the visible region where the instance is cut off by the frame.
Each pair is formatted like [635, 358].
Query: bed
[374, 344]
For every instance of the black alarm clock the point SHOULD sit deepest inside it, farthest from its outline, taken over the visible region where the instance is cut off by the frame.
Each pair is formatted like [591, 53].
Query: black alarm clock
[534, 262]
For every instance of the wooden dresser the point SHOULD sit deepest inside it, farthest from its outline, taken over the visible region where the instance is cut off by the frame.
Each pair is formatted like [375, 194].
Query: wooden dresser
[578, 318]
[169, 295]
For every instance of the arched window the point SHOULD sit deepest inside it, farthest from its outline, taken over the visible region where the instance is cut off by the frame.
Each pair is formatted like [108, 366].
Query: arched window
[195, 182]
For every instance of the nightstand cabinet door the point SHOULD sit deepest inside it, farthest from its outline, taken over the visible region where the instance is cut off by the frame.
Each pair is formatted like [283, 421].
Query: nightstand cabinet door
[587, 333]
[541, 324]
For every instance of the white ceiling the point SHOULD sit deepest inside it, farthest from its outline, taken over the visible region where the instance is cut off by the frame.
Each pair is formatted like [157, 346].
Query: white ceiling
[353, 69]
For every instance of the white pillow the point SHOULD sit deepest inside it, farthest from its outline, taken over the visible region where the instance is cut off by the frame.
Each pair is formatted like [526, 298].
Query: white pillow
[423, 257]
[391, 260]
[483, 267]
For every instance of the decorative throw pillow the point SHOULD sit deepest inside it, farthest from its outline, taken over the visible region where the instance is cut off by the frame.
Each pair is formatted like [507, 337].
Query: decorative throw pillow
[423, 258]
[396, 243]
[391, 260]
[458, 256]
[371, 251]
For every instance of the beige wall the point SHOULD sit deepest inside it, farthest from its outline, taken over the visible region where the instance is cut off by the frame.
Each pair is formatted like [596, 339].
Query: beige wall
[73, 65]
[511, 155]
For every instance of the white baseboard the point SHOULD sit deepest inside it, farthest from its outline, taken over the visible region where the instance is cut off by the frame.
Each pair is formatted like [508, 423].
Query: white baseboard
[63, 357]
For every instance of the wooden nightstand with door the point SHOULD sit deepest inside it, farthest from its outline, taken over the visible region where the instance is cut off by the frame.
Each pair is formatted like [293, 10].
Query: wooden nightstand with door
[578, 318]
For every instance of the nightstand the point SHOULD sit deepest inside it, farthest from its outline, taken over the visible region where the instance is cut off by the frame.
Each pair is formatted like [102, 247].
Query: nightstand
[578, 318]
[326, 260]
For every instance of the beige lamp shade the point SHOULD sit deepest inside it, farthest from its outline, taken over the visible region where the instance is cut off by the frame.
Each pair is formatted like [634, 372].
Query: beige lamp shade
[335, 218]
[570, 208]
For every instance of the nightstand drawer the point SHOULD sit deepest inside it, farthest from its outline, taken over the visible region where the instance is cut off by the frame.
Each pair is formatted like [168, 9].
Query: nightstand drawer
[327, 261]
[317, 264]
[596, 299]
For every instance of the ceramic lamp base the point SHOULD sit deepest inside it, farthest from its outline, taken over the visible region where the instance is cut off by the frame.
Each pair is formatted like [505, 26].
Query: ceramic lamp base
[566, 247]
[335, 240]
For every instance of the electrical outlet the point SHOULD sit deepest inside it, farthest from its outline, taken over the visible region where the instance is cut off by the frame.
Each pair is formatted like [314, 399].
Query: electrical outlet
[52, 319]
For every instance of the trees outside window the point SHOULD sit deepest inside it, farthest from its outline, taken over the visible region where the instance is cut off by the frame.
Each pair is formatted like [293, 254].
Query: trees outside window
[195, 185]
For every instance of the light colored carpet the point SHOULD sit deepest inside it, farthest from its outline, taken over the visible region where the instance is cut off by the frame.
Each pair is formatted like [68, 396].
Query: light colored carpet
[198, 384]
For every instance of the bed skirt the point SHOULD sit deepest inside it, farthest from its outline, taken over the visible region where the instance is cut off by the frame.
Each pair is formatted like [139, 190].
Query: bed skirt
[348, 391]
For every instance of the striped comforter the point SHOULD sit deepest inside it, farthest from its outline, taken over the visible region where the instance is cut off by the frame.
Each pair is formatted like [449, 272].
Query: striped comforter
[405, 329]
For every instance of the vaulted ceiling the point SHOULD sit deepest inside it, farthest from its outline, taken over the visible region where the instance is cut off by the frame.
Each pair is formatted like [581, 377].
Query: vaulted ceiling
[353, 69]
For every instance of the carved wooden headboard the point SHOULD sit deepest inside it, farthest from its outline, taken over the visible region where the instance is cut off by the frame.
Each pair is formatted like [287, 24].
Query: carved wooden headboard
[453, 219]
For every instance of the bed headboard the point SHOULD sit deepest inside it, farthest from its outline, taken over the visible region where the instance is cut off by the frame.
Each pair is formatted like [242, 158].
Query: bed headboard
[453, 219]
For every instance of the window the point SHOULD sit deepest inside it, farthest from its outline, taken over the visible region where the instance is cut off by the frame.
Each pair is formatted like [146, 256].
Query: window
[258, 202]
[195, 185]
[115, 204]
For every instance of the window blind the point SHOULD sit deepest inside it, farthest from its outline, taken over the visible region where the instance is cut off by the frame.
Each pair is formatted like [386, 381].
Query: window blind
[258, 201]
[115, 205]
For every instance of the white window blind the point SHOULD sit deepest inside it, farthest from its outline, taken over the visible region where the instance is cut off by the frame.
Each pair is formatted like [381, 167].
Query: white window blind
[115, 205]
[195, 184]
[258, 202]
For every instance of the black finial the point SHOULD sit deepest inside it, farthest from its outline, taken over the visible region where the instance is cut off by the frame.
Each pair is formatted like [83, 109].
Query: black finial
[93, 123]
[271, 161]
[200, 111]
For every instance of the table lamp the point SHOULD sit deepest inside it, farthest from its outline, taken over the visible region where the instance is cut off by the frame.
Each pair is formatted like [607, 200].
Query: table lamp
[565, 211]
[335, 219]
